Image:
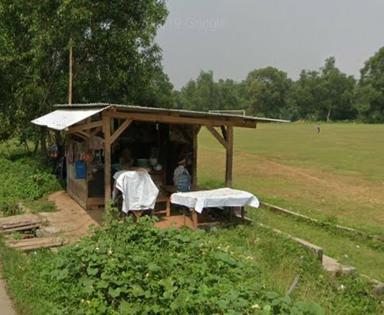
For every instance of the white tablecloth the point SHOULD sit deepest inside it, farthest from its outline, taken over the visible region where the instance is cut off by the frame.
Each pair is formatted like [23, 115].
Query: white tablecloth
[138, 189]
[223, 197]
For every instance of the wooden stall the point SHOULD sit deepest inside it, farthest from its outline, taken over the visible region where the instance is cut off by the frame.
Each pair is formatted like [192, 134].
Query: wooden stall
[96, 134]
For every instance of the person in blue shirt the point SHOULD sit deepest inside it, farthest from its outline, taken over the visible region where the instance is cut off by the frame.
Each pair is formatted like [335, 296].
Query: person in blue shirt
[181, 177]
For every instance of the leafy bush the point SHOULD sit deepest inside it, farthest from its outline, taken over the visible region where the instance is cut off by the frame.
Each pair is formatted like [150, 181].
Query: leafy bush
[138, 269]
[25, 178]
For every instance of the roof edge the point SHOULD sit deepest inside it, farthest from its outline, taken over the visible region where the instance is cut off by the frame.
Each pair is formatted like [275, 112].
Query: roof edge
[169, 110]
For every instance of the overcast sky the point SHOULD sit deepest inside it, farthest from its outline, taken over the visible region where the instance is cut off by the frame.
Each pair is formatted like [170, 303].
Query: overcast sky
[232, 37]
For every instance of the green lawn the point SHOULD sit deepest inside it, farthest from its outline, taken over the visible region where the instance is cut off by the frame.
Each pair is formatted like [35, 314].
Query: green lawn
[345, 149]
[337, 176]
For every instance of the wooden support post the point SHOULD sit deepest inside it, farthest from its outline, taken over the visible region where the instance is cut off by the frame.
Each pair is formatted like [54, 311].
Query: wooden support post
[107, 159]
[196, 130]
[242, 213]
[168, 210]
[229, 157]
[195, 222]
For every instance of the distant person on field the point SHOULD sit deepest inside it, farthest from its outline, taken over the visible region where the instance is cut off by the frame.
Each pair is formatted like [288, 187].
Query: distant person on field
[318, 128]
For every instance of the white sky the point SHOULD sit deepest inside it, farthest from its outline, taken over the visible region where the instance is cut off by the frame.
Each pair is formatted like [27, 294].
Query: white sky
[233, 37]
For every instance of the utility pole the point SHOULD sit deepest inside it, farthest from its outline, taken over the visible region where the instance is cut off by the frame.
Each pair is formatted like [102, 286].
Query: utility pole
[70, 79]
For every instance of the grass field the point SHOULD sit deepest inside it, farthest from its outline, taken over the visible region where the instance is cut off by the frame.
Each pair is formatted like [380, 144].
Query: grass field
[337, 176]
[301, 181]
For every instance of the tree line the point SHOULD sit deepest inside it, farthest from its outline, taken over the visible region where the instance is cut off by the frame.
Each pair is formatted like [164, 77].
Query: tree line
[326, 94]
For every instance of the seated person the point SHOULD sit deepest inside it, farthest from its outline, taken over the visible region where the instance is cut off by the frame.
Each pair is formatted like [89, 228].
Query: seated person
[181, 177]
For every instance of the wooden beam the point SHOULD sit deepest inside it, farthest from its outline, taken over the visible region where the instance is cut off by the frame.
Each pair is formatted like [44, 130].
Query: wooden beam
[85, 126]
[219, 138]
[229, 157]
[107, 159]
[96, 131]
[224, 132]
[120, 130]
[168, 119]
[82, 135]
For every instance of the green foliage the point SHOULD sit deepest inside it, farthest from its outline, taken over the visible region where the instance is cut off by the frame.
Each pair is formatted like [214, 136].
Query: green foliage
[371, 89]
[267, 91]
[138, 269]
[280, 260]
[24, 179]
[325, 95]
[205, 94]
[115, 57]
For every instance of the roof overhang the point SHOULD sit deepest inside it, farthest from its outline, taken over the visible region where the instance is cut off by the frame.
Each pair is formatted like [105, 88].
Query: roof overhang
[64, 118]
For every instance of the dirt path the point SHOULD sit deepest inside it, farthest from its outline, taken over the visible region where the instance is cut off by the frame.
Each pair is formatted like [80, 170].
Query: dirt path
[6, 307]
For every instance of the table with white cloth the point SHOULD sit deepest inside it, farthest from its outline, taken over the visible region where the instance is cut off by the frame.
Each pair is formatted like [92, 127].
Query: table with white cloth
[138, 190]
[197, 201]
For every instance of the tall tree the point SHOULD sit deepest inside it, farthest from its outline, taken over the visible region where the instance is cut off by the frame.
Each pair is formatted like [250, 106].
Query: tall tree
[267, 91]
[370, 94]
[115, 57]
[337, 90]
[205, 93]
[327, 94]
[200, 94]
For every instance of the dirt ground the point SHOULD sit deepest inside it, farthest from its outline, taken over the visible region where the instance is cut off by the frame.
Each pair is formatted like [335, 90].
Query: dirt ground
[6, 307]
[70, 220]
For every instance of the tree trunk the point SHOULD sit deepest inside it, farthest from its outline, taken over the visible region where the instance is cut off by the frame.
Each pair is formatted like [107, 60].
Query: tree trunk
[329, 114]
[26, 146]
[43, 141]
[36, 146]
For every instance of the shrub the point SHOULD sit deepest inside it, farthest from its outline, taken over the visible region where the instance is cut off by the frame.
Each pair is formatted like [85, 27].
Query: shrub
[25, 179]
[138, 269]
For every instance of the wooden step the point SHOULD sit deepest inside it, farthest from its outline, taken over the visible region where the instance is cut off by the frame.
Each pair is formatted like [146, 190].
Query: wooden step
[37, 243]
[19, 223]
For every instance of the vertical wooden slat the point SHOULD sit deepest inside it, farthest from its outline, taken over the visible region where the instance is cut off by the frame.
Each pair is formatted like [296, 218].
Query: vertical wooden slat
[229, 157]
[107, 158]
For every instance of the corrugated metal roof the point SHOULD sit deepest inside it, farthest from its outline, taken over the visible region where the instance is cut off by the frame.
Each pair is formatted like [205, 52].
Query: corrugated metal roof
[63, 118]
